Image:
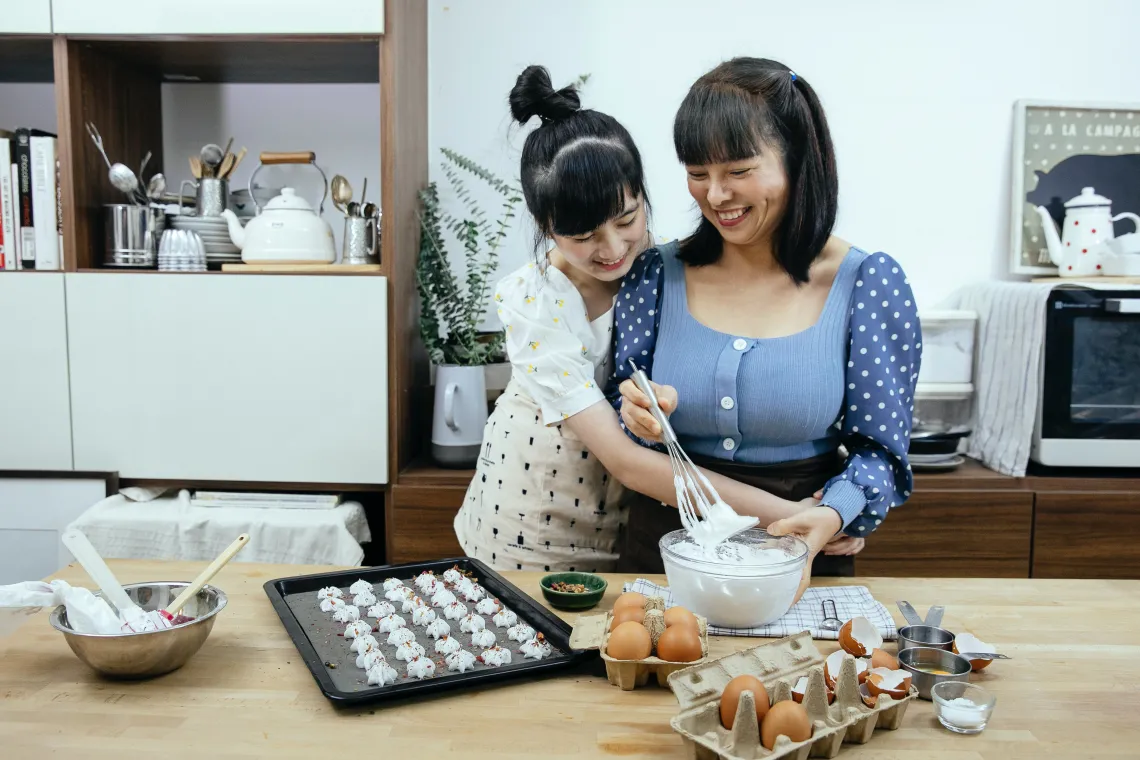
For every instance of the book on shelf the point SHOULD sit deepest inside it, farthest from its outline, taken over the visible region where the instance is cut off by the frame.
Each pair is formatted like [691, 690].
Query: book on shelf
[264, 500]
[33, 241]
[9, 251]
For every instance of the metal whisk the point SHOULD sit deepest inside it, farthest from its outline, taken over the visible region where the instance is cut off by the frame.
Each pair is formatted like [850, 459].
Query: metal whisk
[696, 497]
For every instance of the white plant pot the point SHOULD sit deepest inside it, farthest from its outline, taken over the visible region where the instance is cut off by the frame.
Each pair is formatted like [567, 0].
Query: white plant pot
[460, 415]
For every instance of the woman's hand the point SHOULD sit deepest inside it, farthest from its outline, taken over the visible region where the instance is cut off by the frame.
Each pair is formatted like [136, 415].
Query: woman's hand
[844, 546]
[816, 526]
[635, 408]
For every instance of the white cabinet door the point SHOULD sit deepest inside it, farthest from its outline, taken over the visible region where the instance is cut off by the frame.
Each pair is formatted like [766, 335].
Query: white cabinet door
[230, 377]
[25, 17]
[35, 410]
[33, 515]
[127, 17]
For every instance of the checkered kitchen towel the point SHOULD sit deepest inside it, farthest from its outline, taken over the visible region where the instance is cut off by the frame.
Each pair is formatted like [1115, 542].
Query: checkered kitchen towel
[807, 614]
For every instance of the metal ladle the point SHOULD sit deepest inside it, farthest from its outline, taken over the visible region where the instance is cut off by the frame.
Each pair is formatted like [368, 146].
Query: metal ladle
[341, 192]
[156, 187]
[211, 156]
[122, 178]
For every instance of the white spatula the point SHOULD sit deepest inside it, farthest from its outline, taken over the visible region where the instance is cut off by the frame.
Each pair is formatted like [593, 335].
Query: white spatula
[204, 577]
[134, 617]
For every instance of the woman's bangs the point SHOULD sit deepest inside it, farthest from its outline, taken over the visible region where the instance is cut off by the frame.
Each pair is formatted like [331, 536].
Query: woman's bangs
[591, 187]
[717, 125]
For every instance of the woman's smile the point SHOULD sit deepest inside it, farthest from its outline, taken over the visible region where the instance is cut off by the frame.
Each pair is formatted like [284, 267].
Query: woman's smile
[731, 217]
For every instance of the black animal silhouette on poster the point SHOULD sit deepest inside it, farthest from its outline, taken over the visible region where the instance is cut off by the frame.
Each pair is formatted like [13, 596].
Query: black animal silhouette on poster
[1114, 177]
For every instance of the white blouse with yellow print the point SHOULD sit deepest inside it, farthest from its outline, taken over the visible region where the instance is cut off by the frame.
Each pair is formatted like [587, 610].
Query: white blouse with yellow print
[559, 357]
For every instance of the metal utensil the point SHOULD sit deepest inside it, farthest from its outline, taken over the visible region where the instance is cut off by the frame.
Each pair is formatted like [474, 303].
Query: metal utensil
[226, 150]
[353, 209]
[98, 140]
[144, 655]
[919, 661]
[831, 621]
[368, 210]
[909, 613]
[142, 166]
[364, 191]
[984, 656]
[211, 156]
[341, 192]
[695, 494]
[934, 615]
[156, 186]
[912, 636]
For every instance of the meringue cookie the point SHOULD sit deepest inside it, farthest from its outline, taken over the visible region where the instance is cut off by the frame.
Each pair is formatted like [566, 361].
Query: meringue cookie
[357, 628]
[455, 611]
[488, 606]
[423, 616]
[432, 587]
[461, 661]
[472, 623]
[421, 667]
[496, 656]
[399, 594]
[364, 599]
[536, 648]
[452, 576]
[483, 638]
[390, 623]
[381, 609]
[505, 618]
[329, 592]
[427, 576]
[382, 674]
[360, 587]
[520, 633]
[370, 659]
[392, 583]
[331, 604]
[437, 628]
[412, 604]
[447, 645]
[371, 649]
[409, 651]
[442, 598]
[361, 643]
[348, 613]
[401, 636]
[472, 592]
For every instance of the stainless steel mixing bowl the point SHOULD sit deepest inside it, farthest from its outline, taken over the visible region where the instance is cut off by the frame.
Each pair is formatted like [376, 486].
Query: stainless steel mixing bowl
[145, 655]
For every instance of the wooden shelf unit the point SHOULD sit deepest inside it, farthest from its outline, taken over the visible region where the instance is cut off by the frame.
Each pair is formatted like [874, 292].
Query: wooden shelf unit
[115, 82]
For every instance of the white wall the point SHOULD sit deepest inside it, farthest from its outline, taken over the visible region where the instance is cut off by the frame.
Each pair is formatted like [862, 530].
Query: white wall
[27, 105]
[919, 97]
[339, 122]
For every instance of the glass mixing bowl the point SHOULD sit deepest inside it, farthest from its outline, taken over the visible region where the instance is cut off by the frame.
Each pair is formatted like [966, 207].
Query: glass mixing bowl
[747, 581]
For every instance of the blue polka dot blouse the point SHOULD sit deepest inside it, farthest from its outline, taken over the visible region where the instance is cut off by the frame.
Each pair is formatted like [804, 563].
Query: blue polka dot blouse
[848, 380]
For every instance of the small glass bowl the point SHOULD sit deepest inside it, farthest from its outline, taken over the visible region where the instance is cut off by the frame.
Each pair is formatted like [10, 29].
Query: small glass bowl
[962, 719]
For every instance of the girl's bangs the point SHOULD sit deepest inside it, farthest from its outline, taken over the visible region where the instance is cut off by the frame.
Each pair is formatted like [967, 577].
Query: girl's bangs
[717, 125]
[588, 187]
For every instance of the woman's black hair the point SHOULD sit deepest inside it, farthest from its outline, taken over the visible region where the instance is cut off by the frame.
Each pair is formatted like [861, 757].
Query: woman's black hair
[578, 165]
[735, 111]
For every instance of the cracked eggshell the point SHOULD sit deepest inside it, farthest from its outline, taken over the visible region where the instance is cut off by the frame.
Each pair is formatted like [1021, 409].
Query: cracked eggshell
[859, 637]
[968, 642]
[834, 663]
[893, 683]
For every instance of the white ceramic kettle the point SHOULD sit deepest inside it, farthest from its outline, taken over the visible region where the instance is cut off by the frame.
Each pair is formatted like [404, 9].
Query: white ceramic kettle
[1085, 233]
[287, 231]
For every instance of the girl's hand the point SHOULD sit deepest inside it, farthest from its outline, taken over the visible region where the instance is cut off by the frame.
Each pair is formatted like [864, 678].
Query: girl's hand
[844, 546]
[635, 408]
[816, 526]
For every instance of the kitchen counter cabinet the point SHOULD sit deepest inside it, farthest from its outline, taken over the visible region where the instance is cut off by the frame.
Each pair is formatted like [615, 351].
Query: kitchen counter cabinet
[1068, 694]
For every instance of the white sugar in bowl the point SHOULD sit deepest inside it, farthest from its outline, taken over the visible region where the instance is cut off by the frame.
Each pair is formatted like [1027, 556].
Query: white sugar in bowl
[747, 581]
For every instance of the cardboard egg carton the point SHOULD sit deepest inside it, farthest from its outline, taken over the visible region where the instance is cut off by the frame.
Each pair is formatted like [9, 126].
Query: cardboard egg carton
[778, 665]
[593, 632]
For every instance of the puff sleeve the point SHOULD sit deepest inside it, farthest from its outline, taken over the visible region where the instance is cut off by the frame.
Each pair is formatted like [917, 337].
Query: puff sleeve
[884, 356]
[637, 314]
[544, 327]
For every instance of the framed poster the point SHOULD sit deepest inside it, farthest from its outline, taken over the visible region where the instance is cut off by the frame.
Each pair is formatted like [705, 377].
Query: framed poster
[1059, 148]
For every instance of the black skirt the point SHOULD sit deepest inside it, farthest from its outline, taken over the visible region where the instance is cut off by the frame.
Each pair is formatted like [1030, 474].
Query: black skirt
[649, 519]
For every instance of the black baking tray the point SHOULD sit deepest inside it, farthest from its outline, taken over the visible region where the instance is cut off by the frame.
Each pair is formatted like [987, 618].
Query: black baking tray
[556, 631]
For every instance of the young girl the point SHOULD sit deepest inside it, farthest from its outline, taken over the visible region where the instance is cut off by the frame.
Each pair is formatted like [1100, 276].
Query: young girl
[543, 497]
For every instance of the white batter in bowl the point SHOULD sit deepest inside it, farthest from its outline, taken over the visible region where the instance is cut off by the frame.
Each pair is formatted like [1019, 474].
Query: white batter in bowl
[747, 581]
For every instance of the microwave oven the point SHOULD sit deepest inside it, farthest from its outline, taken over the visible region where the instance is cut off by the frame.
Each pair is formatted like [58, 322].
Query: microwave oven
[1089, 403]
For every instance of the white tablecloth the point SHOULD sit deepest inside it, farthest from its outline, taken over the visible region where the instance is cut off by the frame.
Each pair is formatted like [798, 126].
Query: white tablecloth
[170, 529]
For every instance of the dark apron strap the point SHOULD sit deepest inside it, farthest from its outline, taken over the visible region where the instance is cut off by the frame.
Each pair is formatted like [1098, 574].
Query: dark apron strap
[649, 519]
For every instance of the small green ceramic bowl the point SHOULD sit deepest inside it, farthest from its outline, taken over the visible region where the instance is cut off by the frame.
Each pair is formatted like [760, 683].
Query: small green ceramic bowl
[566, 600]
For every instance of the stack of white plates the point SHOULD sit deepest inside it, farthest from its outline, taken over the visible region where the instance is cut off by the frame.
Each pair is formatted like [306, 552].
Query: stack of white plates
[215, 236]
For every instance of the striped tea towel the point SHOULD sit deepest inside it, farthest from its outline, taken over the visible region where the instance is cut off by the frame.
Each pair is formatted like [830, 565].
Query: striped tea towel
[807, 614]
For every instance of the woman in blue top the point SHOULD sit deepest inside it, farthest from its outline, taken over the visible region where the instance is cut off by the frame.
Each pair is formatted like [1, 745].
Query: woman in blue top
[778, 342]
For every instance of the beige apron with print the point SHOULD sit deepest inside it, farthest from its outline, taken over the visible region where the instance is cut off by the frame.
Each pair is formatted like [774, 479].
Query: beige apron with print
[539, 499]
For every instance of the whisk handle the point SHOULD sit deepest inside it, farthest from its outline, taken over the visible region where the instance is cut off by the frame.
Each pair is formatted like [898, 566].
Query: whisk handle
[641, 380]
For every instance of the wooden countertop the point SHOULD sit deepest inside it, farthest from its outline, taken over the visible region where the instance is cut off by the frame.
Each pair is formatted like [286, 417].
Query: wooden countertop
[1070, 692]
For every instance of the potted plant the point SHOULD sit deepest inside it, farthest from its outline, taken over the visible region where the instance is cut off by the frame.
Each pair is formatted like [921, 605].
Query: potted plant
[451, 309]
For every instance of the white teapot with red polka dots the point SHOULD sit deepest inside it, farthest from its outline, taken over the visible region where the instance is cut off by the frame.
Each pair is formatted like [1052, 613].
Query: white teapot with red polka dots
[1084, 234]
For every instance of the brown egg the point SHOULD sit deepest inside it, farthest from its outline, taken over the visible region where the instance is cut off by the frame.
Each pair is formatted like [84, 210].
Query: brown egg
[730, 699]
[630, 599]
[626, 614]
[629, 641]
[680, 616]
[788, 719]
[883, 659]
[679, 643]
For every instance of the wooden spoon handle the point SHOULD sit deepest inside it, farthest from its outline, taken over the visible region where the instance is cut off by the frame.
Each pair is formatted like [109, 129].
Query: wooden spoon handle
[204, 577]
[237, 161]
[298, 157]
[227, 165]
